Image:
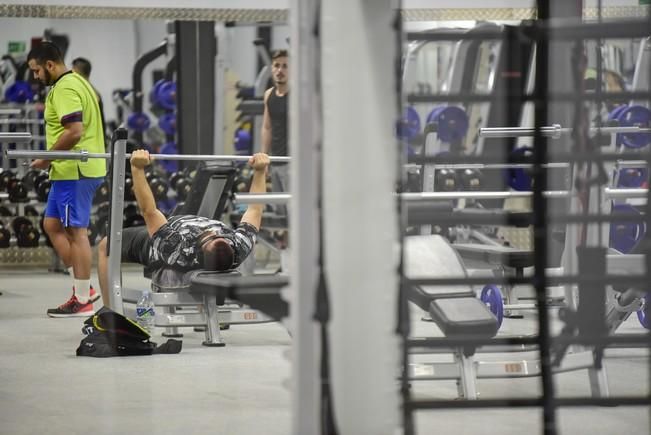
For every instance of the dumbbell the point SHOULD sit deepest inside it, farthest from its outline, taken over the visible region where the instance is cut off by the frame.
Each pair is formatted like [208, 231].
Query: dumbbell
[30, 177]
[5, 211]
[5, 237]
[30, 211]
[445, 180]
[103, 193]
[101, 223]
[131, 217]
[181, 184]
[414, 182]
[17, 190]
[42, 186]
[5, 177]
[471, 179]
[129, 193]
[157, 183]
[159, 188]
[26, 235]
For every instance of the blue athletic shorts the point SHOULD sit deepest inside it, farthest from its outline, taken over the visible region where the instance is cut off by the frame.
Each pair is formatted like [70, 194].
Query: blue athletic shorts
[71, 201]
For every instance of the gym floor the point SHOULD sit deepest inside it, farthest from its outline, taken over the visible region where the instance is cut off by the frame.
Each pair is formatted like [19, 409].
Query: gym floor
[243, 387]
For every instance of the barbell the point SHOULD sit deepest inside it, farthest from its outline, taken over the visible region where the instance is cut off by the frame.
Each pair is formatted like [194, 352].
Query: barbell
[17, 137]
[85, 155]
[282, 198]
[554, 131]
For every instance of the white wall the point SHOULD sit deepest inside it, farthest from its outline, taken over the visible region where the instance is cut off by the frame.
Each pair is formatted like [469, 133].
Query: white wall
[108, 44]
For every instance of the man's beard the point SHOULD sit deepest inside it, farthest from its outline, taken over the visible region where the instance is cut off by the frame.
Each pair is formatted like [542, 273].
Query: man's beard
[48, 78]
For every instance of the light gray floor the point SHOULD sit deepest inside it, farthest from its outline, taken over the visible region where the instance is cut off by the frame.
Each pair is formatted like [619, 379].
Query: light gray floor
[239, 389]
[46, 389]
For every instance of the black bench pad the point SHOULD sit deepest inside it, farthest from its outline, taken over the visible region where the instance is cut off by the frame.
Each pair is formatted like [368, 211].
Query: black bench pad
[261, 292]
[463, 316]
[496, 255]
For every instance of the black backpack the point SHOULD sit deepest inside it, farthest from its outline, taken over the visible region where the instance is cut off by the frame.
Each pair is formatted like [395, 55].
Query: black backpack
[111, 334]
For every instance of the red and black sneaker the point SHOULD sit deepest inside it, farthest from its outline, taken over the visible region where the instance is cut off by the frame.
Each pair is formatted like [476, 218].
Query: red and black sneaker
[72, 308]
[94, 296]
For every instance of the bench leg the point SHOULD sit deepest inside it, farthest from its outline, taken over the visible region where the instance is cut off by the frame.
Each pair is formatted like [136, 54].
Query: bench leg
[171, 331]
[213, 337]
[468, 375]
[598, 382]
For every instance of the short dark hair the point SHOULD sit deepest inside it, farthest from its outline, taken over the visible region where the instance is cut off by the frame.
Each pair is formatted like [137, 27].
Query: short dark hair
[83, 65]
[45, 51]
[279, 53]
[218, 255]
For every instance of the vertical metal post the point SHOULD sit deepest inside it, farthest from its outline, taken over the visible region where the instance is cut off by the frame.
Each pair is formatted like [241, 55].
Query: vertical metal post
[195, 57]
[220, 85]
[361, 259]
[304, 136]
[540, 227]
[115, 221]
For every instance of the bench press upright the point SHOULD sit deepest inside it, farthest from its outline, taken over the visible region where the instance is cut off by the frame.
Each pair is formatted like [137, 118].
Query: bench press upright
[118, 169]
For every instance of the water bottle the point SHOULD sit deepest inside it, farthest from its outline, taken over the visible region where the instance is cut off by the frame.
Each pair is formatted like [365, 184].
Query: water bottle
[145, 314]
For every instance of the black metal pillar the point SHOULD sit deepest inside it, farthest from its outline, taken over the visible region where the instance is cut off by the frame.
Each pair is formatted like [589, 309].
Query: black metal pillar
[196, 48]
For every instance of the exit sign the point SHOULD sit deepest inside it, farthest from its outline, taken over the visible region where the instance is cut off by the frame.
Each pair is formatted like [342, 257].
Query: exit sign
[16, 47]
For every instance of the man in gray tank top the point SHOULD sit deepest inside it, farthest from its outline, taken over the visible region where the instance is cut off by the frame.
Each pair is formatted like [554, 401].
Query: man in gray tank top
[274, 123]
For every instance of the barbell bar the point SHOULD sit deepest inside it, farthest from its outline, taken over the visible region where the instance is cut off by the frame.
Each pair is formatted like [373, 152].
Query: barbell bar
[494, 165]
[11, 121]
[625, 193]
[554, 131]
[9, 112]
[17, 137]
[282, 198]
[85, 155]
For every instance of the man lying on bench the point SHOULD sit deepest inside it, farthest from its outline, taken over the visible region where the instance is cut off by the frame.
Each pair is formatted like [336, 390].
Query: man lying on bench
[185, 242]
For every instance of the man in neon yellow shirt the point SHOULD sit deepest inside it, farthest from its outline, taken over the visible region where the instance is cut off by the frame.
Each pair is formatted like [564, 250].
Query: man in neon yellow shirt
[72, 123]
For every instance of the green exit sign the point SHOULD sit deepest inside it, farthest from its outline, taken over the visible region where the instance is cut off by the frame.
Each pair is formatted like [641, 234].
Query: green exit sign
[645, 2]
[16, 47]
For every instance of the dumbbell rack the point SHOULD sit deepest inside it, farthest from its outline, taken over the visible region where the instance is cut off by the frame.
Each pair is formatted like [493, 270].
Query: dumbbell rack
[15, 256]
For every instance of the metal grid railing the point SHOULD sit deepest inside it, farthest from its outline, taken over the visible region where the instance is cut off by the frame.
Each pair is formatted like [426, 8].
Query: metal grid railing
[540, 32]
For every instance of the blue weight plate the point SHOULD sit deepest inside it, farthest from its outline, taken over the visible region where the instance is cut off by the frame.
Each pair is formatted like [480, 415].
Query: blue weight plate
[624, 236]
[19, 92]
[452, 123]
[167, 123]
[409, 126]
[635, 116]
[491, 295]
[138, 121]
[434, 113]
[243, 142]
[632, 178]
[153, 94]
[614, 114]
[166, 95]
[169, 165]
[519, 178]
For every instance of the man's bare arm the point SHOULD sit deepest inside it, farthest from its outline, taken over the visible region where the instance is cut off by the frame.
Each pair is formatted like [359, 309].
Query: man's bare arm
[154, 219]
[266, 125]
[253, 213]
